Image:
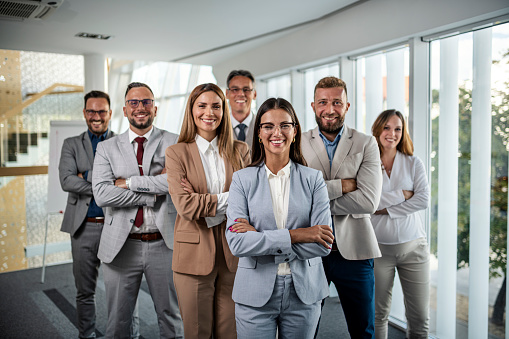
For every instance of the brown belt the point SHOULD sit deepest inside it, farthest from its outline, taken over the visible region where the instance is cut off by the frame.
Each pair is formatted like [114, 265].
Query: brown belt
[145, 236]
[334, 246]
[98, 220]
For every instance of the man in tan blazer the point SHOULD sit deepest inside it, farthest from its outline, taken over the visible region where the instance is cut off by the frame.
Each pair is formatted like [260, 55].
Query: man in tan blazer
[350, 163]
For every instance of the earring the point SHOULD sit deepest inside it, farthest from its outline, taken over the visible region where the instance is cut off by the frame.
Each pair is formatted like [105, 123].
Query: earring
[259, 140]
[293, 140]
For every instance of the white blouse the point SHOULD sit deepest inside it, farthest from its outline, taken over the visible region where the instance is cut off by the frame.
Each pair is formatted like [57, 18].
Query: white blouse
[403, 223]
[280, 193]
[213, 165]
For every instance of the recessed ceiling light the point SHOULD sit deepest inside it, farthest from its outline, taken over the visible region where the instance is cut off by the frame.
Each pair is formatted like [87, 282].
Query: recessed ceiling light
[93, 36]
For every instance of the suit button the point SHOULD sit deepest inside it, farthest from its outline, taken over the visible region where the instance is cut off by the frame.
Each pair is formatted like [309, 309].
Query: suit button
[132, 221]
[279, 251]
[286, 259]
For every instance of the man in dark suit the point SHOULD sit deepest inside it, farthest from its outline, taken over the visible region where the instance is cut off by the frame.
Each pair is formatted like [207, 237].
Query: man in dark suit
[129, 182]
[240, 93]
[83, 219]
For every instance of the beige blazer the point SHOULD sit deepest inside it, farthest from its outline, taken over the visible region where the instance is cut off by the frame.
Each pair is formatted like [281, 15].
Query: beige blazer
[194, 250]
[357, 157]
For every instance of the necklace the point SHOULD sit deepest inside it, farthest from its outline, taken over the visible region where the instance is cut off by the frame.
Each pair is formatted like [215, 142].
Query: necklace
[386, 169]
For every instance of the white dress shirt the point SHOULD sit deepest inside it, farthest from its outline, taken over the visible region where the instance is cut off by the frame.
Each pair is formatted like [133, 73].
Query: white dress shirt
[280, 192]
[149, 217]
[404, 222]
[213, 165]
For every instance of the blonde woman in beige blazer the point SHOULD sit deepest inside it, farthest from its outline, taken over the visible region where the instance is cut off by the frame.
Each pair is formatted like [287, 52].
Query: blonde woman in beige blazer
[200, 168]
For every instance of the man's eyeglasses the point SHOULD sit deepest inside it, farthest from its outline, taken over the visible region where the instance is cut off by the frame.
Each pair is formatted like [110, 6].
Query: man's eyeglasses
[236, 90]
[269, 128]
[135, 102]
[91, 112]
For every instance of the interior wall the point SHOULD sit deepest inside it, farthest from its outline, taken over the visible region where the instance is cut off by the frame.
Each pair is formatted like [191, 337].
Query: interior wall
[365, 26]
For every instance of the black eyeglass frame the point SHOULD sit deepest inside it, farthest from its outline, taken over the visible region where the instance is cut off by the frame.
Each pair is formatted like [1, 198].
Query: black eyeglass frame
[145, 102]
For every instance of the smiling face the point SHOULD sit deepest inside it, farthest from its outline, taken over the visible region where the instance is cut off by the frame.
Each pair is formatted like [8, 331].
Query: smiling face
[276, 142]
[330, 107]
[391, 133]
[208, 114]
[142, 116]
[240, 100]
[97, 114]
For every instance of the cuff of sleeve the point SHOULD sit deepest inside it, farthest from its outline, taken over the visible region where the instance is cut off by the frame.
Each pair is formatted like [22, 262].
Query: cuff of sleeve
[128, 183]
[222, 202]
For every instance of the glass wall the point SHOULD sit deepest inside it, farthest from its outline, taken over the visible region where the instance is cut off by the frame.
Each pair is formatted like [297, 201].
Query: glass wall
[382, 82]
[469, 113]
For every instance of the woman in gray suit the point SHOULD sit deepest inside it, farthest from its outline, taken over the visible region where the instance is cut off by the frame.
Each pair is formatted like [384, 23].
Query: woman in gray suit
[280, 280]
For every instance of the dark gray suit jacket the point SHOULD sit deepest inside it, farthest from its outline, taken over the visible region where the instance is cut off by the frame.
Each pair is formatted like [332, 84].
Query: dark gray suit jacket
[77, 157]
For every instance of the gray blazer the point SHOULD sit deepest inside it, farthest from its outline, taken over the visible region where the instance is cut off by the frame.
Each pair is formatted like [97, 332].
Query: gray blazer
[77, 157]
[250, 131]
[357, 157]
[261, 252]
[114, 159]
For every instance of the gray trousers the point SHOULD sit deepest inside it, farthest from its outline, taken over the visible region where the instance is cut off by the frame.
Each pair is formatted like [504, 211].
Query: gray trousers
[85, 267]
[412, 261]
[122, 279]
[284, 312]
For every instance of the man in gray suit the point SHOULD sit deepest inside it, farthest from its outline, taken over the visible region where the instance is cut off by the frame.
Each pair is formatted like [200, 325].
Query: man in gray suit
[129, 182]
[83, 219]
[240, 93]
[350, 163]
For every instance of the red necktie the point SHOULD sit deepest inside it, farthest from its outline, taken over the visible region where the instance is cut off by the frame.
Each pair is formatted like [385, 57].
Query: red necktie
[138, 221]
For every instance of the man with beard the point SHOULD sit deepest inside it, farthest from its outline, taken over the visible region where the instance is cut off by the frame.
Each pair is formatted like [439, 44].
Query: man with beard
[240, 93]
[83, 219]
[129, 182]
[350, 163]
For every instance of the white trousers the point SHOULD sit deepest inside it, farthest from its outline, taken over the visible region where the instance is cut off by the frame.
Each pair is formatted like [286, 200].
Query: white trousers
[412, 261]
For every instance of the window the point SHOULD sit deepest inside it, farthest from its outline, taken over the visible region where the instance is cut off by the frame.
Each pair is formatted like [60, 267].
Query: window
[470, 134]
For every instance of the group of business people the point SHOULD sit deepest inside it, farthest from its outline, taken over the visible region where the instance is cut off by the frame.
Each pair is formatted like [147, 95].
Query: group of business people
[241, 222]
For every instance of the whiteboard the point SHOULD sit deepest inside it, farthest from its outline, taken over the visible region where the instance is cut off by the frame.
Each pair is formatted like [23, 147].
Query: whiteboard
[59, 131]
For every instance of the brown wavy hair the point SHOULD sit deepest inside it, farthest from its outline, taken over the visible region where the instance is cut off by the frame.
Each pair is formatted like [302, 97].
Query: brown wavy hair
[258, 152]
[405, 145]
[224, 131]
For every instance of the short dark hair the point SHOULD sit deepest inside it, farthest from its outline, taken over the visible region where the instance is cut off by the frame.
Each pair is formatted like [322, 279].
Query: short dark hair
[135, 85]
[97, 94]
[331, 82]
[258, 152]
[239, 73]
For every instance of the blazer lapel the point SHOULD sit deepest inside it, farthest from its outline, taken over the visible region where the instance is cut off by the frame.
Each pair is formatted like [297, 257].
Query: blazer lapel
[87, 145]
[293, 204]
[344, 146]
[263, 189]
[198, 167]
[150, 149]
[127, 150]
[228, 171]
[321, 153]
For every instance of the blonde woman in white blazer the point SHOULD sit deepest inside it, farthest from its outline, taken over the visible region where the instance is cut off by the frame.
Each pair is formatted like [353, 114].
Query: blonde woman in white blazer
[399, 229]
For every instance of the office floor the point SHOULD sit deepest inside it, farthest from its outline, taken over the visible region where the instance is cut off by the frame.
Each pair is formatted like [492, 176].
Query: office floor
[30, 309]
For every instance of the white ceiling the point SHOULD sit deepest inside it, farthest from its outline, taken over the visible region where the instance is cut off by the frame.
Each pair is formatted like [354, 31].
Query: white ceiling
[162, 29]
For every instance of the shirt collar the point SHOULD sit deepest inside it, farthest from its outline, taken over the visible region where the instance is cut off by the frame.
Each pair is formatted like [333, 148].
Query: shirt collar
[247, 121]
[284, 172]
[133, 135]
[101, 137]
[204, 145]
[336, 139]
